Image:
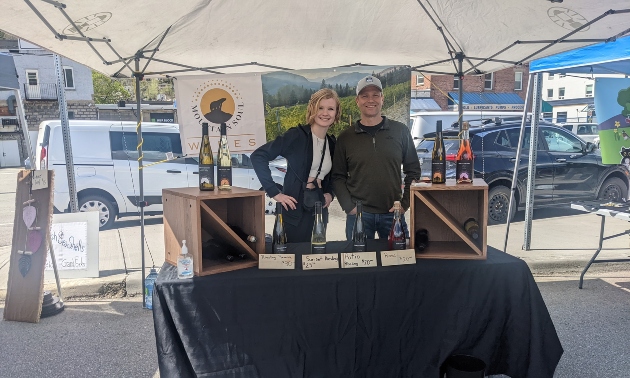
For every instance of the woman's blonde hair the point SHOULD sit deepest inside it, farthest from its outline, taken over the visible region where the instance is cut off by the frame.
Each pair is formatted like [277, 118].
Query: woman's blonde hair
[313, 104]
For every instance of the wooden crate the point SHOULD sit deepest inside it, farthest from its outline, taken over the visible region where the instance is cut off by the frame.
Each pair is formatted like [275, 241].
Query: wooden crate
[442, 210]
[194, 216]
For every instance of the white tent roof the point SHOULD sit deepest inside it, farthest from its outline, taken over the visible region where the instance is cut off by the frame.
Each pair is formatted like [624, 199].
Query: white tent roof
[224, 36]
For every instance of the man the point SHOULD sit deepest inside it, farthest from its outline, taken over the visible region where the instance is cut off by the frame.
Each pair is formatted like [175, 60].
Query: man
[367, 161]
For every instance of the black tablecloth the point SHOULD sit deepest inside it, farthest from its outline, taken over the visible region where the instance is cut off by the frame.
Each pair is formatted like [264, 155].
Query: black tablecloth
[400, 321]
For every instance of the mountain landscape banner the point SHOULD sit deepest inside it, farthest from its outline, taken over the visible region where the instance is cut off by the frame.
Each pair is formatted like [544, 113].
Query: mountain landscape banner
[612, 106]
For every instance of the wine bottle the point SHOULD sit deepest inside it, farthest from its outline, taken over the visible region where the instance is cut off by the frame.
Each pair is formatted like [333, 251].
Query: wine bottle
[472, 228]
[422, 239]
[217, 249]
[206, 161]
[242, 234]
[358, 231]
[464, 164]
[397, 237]
[224, 161]
[318, 240]
[279, 243]
[438, 157]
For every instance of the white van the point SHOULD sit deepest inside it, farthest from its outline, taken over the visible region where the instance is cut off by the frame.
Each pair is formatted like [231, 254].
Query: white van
[589, 132]
[424, 122]
[106, 166]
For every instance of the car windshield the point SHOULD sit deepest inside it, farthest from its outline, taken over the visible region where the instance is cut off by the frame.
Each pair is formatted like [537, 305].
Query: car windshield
[427, 146]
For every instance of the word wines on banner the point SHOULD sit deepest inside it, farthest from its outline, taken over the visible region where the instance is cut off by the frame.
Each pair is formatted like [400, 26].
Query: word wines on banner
[235, 100]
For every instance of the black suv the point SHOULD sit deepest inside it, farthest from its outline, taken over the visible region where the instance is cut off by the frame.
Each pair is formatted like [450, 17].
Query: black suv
[567, 168]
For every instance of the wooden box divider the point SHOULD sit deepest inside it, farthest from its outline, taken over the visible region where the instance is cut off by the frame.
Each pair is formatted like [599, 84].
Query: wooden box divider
[223, 230]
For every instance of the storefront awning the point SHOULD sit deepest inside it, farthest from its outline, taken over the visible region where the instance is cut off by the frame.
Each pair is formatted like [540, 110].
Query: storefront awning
[487, 101]
[8, 75]
[418, 104]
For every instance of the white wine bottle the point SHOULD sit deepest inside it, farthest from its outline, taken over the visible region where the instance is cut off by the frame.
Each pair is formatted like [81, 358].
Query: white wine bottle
[224, 162]
[358, 231]
[279, 233]
[206, 161]
[318, 240]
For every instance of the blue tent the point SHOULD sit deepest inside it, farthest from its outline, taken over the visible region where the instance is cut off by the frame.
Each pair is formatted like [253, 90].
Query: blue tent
[602, 58]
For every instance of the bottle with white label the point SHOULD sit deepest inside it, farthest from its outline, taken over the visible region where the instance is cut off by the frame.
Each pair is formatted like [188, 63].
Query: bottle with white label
[318, 240]
[184, 263]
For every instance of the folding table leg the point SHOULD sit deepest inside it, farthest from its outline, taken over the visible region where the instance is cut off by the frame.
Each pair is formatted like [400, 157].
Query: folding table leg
[601, 241]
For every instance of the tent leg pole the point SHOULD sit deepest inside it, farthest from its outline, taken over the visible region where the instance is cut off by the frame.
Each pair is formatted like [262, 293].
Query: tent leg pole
[517, 160]
[533, 152]
[141, 203]
[460, 74]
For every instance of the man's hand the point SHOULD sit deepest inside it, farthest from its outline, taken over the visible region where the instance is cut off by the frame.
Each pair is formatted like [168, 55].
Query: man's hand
[353, 212]
[402, 210]
[328, 198]
[286, 201]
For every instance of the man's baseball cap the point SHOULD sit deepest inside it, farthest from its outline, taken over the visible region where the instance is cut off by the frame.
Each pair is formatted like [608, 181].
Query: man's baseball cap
[367, 81]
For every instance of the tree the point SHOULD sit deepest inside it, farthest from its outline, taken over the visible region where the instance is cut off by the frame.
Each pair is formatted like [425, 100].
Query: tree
[107, 90]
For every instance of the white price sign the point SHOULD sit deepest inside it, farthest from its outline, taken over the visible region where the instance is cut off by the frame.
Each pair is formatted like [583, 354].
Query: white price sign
[401, 257]
[276, 261]
[321, 261]
[358, 260]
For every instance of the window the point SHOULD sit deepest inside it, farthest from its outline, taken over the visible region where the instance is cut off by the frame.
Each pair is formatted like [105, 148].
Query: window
[68, 77]
[455, 82]
[154, 148]
[561, 117]
[568, 127]
[514, 134]
[419, 80]
[589, 90]
[549, 93]
[561, 142]
[32, 77]
[548, 116]
[518, 81]
[562, 75]
[587, 129]
[561, 93]
[487, 83]
[70, 115]
[550, 76]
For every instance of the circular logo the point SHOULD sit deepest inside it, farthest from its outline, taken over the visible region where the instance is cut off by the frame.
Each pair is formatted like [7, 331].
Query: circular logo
[567, 18]
[216, 100]
[86, 23]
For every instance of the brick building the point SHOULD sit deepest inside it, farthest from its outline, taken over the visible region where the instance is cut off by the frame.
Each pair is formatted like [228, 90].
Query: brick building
[500, 90]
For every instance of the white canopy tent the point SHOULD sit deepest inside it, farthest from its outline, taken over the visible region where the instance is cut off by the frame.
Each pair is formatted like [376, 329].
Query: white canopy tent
[137, 38]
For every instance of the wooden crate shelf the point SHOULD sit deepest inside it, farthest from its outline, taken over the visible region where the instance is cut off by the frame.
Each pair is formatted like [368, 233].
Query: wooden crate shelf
[442, 209]
[195, 216]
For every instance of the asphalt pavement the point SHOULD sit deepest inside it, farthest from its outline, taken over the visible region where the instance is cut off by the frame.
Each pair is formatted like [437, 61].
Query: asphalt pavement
[105, 332]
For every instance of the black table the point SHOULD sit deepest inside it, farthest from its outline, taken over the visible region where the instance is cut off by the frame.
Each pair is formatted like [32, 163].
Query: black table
[400, 321]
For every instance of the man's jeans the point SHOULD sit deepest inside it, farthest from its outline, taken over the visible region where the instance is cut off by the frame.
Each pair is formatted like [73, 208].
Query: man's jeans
[374, 223]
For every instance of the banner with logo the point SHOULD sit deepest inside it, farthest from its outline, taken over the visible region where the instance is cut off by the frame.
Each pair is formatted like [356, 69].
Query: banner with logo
[612, 106]
[235, 100]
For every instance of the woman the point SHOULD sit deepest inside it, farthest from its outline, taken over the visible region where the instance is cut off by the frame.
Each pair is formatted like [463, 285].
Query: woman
[302, 146]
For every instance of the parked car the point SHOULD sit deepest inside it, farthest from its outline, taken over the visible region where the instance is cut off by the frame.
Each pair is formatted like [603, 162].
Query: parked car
[589, 132]
[106, 166]
[567, 168]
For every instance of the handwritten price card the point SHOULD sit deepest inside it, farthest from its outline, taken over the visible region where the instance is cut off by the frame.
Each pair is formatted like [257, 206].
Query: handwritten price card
[358, 260]
[321, 261]
[40, 179]
[402, 257]
[276, 261]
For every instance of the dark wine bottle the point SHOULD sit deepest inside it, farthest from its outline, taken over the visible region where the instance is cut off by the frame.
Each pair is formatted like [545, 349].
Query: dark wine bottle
[472, 228]
[438, 157]
[206, 161]
[397, 237]
[422, 239]
[358, 231]
[214, 249]
[279, 234]
[242, 234]
[318, 239]
[224, 161]
[464, 163]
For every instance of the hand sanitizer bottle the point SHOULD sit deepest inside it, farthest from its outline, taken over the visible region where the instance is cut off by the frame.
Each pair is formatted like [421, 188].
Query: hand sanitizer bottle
[184, 263]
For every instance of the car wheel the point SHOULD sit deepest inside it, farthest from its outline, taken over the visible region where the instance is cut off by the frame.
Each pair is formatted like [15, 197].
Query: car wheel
[499, 204]
[106, 210]
[613, 189]
[270, 203]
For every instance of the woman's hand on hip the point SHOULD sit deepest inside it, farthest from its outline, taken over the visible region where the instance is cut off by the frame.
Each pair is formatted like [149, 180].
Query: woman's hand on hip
[328, 198]
[286, 201]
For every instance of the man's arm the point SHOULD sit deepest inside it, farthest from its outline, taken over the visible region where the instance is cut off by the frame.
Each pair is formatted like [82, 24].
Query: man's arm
[340, 177]
[411, 167]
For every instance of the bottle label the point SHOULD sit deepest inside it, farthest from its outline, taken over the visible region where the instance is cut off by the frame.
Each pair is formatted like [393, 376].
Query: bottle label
[319, 248]
[280, 248]
[438, 171]
[206, 177]
[359, 247]
[184, 267]
[224, 176]
[399, 244]
[464, 171]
